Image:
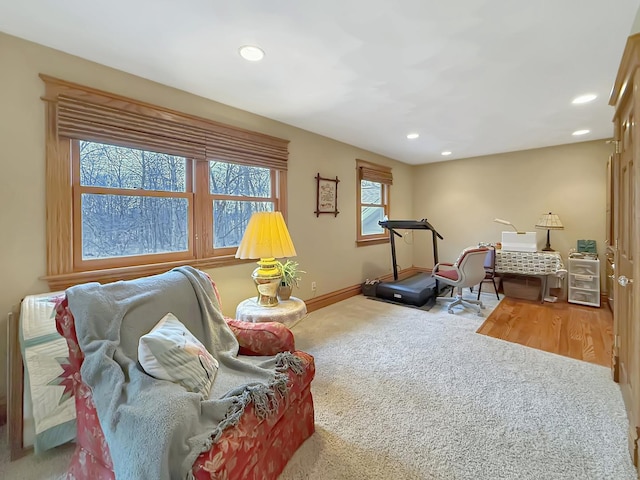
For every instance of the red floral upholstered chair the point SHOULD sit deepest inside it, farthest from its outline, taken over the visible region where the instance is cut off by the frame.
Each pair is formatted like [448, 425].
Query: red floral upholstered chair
[255, 448]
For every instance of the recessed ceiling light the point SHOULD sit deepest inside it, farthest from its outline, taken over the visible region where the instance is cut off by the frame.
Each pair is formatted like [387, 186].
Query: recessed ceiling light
[589, 97]
[413, 136]
[445, 153]
[580, 132]
[251, 53]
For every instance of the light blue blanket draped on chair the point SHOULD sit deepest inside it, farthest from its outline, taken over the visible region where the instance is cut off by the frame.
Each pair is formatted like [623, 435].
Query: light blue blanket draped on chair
[155, 429]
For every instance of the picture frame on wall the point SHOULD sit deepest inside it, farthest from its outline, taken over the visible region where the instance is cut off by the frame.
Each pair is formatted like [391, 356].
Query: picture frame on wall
[326, 195]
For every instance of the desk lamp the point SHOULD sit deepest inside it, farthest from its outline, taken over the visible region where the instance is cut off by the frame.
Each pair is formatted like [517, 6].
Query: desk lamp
[549, 221]
[266, 238]
[505, 222]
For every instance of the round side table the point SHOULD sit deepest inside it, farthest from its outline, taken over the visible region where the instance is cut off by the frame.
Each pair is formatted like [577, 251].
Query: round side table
[288, 312]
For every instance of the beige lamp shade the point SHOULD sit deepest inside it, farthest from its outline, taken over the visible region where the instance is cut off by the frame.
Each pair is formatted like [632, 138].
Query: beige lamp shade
[549, 221]
[266, 236]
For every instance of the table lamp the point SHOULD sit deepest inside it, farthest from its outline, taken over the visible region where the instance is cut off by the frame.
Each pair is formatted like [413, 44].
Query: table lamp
[266, 238]
[549, 221]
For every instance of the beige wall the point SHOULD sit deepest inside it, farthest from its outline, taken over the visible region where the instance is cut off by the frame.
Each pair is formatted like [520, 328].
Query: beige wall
[461, 198]
[325, 245]
[635, 28]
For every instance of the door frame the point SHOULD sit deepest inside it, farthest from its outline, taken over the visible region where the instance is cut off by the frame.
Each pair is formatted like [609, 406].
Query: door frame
[627, 90]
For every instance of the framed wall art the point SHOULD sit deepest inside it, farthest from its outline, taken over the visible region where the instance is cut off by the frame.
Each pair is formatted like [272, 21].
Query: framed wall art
[326, 195]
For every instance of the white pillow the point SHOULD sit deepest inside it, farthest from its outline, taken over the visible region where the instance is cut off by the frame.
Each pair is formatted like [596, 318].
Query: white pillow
[171, 352]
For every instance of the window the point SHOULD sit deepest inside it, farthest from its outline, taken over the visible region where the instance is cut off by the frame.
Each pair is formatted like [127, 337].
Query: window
[237, 191]
[134, 189]
[373, 192]
[130, 203]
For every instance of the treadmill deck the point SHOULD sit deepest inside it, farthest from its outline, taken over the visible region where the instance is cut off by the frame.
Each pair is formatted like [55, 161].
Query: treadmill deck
[414, 290]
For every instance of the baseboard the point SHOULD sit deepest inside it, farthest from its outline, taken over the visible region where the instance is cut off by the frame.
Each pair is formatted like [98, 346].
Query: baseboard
[327, 299]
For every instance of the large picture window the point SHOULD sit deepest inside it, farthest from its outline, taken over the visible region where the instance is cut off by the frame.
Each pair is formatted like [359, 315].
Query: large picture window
[134, 189]
[373, 201]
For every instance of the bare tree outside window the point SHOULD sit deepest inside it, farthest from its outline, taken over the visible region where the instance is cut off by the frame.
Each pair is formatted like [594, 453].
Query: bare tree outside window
[125, 207]
[133, 203]
[238, 191]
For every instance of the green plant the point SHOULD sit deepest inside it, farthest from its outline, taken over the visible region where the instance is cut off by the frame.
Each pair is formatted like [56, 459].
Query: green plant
[290, 273]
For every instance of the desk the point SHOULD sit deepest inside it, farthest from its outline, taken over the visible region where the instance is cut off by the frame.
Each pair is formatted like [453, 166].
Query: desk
[528, 263]
[288, 312]
[539, 264]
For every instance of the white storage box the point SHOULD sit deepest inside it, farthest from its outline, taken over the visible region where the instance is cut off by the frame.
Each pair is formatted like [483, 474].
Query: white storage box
[519, 242]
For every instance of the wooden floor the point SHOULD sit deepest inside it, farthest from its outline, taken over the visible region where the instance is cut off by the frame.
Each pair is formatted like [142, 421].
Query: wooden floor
[583, 333]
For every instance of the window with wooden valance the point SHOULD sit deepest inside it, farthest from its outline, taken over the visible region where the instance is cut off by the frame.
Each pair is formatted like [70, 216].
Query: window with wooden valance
[378, 173]
[373, 201]
[103, 151]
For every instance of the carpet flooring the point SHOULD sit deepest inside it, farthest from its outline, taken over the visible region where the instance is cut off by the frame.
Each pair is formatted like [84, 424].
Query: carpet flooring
[405, 394]
[52, 465]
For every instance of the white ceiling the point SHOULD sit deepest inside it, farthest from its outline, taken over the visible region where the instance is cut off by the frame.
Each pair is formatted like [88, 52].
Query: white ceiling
[474, 77]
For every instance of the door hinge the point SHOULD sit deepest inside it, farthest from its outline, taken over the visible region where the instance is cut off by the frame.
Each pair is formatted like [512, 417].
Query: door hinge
[616, 145]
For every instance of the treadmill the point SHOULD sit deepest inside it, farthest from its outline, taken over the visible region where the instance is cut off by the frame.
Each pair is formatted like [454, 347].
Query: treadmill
[416, 290]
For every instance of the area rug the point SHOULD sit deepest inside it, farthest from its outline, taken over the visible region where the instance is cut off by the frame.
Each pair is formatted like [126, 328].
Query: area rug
[406, 394]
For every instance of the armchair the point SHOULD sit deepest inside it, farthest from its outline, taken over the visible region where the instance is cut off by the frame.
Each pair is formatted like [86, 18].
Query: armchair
[467, 271]
[257, 446]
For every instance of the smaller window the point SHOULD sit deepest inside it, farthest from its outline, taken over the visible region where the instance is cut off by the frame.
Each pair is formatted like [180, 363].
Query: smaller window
[373, 189]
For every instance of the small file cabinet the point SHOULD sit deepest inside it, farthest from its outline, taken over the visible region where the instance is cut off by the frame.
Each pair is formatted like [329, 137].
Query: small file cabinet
[584, 281]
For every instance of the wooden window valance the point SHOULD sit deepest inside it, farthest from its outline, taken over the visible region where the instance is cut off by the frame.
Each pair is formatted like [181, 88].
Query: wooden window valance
[375, 173]
[88, 114]
[76, 114]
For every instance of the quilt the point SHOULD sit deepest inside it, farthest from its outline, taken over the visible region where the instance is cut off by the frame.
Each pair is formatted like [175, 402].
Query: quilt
[48, 400]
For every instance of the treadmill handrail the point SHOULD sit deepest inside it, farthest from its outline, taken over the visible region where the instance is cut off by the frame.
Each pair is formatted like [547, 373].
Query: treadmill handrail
[409, 225]
[423, 224]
